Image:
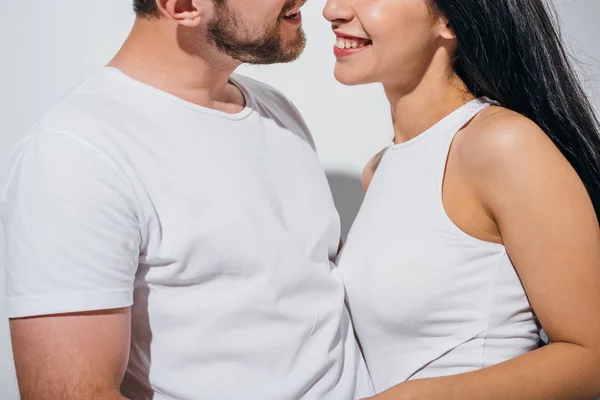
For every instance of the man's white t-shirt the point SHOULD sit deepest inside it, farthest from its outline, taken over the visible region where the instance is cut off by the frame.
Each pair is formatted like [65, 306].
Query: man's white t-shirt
[218, 230]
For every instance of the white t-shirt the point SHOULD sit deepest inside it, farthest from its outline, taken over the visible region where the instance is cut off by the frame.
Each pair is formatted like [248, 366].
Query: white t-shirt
[217, 229]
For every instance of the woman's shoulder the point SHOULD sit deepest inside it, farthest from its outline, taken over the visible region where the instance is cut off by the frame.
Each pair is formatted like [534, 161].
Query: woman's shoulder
[508, 159]
[498, 138]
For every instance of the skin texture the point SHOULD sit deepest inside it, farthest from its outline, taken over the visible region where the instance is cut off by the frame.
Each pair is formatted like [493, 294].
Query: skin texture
[84, 356]
[75, 356]
[506, 183]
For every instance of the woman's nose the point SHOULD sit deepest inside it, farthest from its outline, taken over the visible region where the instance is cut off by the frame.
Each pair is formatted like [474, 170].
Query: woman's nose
[338, 11]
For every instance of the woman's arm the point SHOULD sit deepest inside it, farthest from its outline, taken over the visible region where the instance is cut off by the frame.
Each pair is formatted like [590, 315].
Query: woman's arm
[551, 233]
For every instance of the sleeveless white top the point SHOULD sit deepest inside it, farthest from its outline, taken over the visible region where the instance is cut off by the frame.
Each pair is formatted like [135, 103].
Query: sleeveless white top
[426, 298]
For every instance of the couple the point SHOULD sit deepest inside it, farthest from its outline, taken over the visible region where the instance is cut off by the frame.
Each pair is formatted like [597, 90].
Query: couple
[170, 231]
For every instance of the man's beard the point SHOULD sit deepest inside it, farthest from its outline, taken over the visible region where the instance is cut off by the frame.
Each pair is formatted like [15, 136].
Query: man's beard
[268, 49]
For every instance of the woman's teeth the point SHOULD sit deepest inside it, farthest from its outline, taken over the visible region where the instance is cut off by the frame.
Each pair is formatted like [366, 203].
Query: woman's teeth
[344, 43]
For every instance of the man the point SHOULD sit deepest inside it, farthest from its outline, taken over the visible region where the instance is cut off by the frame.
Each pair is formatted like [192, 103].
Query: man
[169, 228]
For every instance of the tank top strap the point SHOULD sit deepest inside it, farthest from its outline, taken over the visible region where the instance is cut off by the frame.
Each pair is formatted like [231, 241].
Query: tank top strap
[444, 132]
[459, 119]
[419, 164]
[463, 116]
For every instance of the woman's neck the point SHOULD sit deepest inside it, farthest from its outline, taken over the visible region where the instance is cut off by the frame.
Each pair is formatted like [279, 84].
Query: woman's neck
[433, 98]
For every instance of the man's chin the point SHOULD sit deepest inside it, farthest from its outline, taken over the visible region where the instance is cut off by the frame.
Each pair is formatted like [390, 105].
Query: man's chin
[294, 48]
[287, 57]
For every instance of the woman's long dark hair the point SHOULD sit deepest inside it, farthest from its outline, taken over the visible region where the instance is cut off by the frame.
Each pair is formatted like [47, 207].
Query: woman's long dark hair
[511, 51]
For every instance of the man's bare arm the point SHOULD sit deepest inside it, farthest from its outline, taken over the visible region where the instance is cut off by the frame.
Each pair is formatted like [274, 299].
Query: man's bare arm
[72, 356]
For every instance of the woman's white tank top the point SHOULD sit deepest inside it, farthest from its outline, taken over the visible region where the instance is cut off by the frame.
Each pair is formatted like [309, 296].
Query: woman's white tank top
[426, 298]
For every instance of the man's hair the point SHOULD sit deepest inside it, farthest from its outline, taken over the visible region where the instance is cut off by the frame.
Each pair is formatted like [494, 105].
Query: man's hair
[145, 8]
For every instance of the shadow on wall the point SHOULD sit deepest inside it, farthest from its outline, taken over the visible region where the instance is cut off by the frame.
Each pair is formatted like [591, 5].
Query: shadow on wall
[348, 195]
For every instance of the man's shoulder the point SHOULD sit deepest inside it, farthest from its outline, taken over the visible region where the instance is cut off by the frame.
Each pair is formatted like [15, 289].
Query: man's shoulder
[270, 97]
[94, 112]
[73, 132]
[82, 106]
[258, 88]
[278, 106]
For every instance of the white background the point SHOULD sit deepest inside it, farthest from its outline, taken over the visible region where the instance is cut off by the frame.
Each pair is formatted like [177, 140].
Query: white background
[47, 47]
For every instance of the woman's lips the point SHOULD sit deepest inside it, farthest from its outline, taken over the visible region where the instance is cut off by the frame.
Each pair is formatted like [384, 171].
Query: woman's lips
[349, 45]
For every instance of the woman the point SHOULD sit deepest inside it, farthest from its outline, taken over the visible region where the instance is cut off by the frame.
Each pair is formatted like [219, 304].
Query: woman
[477, 227]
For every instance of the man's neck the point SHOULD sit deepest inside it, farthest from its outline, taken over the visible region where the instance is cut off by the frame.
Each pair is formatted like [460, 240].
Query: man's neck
[179, 62]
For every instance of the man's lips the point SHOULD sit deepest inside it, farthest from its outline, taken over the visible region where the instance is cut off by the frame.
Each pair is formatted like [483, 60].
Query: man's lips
[293, 9]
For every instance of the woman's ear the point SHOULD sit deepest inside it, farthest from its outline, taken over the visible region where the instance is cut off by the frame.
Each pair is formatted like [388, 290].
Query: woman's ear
[445, 28]
[184, 12]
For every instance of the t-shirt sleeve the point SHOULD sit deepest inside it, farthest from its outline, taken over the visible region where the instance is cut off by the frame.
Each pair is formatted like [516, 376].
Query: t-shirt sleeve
[71, 231]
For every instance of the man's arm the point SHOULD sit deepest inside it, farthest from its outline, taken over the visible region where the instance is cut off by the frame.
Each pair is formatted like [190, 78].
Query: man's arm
[72, 247]
[71, 356]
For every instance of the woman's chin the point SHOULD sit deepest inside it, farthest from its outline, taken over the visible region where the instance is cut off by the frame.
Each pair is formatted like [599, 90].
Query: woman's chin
[347, 76]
